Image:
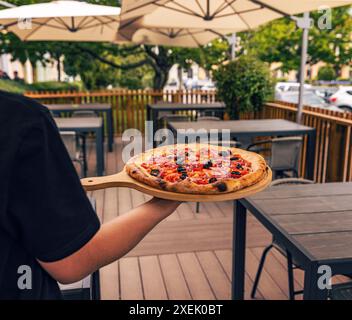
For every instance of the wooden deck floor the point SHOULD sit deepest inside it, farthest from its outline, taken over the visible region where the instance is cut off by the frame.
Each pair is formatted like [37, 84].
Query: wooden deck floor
[187, 256]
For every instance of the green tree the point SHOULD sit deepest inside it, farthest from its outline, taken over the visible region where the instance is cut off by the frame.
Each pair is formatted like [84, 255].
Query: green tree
[326, 73]
[243, 84]
[280, 41]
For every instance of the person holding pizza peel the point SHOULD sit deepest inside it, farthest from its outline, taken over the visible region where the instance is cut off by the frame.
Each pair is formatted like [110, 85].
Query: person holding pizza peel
[47, 223]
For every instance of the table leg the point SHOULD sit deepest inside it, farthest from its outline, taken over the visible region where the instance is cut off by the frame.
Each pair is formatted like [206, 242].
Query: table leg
[100, 151]
[311, 290]
[310, 155]
[110, 128]
[149, 116]
[154, 118]
[238, 250]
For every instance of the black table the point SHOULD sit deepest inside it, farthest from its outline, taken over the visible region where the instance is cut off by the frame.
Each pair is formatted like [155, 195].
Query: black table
[154, 109]
[314, 222]
[83, 125]
[97, 107]
[256, 128]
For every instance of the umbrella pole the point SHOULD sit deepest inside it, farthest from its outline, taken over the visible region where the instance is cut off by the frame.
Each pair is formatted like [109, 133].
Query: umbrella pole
[303, 23]
[233, 46]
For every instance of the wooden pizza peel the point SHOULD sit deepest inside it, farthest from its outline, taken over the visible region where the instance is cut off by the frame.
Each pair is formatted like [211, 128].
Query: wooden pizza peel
[122, 179]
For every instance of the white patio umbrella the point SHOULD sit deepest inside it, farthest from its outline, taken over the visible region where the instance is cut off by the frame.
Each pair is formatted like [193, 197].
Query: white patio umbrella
[234, 15]
[139, 32]
[218, 14]
[62, 20]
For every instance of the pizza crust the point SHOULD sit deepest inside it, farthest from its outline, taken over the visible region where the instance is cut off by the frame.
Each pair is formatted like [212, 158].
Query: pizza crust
[136, 171]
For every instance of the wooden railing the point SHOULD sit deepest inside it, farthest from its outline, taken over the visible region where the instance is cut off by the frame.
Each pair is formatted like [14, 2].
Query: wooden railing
[333, 157]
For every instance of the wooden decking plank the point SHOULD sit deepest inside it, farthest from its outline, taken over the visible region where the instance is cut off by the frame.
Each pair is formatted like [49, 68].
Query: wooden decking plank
[175, 283]
[267, 285]
[185, 211]
[226, 207]
[197, 282]
[130, 279]
[225, 258]
[275, 269]
[109, 282]
[215, 274]
[203, 212]
[298, 274]
[109, 275]
[211, 209]
[125, 200]
[152, 280]
[137, 198]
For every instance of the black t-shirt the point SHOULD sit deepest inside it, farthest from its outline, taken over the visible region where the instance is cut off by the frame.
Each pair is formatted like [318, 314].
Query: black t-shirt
[44, 212]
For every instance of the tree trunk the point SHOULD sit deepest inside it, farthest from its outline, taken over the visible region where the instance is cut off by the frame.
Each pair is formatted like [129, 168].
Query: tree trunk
[337, 71]
[235, 113]
[58, 66]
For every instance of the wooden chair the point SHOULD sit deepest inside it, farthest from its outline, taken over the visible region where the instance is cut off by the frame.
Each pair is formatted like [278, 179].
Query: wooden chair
[291, 263]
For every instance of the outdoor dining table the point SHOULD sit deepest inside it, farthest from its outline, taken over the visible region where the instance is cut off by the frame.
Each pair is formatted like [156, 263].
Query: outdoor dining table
[96, 107]
[154, 109]
[255, 128]
[313, 222]
[83, 125]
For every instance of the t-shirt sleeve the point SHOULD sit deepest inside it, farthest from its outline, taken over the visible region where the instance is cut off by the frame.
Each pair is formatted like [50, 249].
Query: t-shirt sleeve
[48, 207]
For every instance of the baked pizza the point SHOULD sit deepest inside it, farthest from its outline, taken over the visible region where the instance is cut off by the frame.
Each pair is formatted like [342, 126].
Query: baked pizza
[197, 168]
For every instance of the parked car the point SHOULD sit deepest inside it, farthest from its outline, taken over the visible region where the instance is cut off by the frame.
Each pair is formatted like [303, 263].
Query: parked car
[309, 99]
[342, 98]
[325, 92]
[289, 86]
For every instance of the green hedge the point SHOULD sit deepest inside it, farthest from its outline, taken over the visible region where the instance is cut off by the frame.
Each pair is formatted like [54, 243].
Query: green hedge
[13, 86]
[18, 87]
[56, 86]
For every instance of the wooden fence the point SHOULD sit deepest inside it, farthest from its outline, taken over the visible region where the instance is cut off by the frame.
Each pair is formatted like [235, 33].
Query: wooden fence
[333, 157]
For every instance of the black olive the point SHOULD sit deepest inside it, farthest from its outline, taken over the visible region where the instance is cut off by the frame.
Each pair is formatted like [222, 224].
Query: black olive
[186, 154]
[183, 176]
[207, 165]
[221, 186]
[212, 180]
[155, 172]
[237, 173]
[181, 169]
[234, 158]
[238, 166]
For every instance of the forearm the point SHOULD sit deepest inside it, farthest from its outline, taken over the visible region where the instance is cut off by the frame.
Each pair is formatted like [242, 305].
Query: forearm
[112, 241]
[122, 234]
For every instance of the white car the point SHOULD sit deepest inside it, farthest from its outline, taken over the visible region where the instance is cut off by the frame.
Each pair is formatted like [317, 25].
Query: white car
[282, 87]
[309, 99]
[342, 98]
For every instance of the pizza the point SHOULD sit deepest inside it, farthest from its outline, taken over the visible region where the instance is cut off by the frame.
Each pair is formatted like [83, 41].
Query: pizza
[197, 168]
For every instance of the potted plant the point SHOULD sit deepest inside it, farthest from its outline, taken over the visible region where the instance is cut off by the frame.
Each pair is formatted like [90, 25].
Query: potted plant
[243, 84]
